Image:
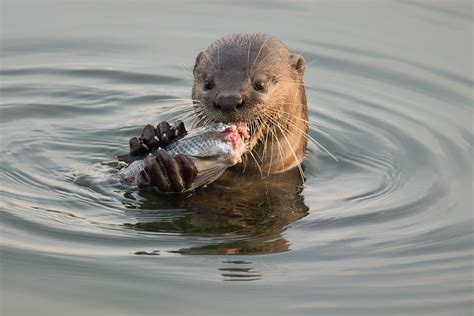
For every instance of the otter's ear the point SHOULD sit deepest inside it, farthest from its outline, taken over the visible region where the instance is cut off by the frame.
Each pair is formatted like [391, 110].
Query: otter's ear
[198, 59]
[297, 62]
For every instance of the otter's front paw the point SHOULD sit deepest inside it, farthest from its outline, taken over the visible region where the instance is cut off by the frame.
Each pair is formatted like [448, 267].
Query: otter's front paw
[167, 173]
[152, 138]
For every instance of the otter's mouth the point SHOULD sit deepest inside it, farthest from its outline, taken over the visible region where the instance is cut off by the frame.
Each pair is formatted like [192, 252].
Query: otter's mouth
[251, 132]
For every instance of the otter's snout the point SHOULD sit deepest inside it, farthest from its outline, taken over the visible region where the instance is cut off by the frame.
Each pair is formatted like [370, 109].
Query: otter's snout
[228, 103]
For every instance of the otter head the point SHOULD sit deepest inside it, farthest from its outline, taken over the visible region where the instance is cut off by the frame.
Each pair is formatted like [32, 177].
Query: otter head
[248, 78]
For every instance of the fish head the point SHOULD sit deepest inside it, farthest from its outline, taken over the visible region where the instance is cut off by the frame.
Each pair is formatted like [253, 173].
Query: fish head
[236, 137]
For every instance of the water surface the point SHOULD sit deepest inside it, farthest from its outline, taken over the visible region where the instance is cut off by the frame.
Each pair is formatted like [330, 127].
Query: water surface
[388, 229]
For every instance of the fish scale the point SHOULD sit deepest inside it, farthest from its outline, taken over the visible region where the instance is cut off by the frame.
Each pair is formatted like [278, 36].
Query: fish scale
[202, 145]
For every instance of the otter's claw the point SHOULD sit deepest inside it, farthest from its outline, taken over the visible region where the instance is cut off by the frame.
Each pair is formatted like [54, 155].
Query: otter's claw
[178, 130]
[149, 137]
[137, 147]
[164, 133]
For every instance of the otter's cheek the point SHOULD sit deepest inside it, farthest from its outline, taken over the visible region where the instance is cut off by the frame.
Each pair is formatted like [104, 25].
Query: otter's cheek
[257, 98]
[208, 99]
[262, 95]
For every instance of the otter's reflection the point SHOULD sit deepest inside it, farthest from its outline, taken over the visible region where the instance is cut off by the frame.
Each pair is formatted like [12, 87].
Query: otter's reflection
[245, 214]
[239, 270]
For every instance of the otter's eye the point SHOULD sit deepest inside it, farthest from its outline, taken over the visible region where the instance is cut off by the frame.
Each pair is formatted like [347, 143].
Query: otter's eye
[259, 86]
[208, 85]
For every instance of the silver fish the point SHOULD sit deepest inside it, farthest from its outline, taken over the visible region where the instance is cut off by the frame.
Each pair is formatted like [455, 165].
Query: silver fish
[213, 149]
[222, 141]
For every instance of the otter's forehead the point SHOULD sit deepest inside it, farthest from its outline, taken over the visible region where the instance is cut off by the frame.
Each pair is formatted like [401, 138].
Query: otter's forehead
[237, 52]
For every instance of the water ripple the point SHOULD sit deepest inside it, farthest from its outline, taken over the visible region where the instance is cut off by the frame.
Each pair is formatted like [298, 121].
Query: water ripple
[387, 227]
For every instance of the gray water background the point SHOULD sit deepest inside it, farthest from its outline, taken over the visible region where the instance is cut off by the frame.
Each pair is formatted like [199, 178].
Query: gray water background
[387, 230]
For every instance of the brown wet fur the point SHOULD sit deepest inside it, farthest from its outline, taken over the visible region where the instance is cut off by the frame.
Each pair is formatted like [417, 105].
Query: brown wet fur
[254, 78]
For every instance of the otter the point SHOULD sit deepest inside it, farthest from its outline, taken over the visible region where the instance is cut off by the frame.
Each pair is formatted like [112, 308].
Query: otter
[249, 78]
[255, 79]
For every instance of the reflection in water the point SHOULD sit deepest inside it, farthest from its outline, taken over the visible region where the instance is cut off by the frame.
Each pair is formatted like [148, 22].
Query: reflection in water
[390, 226]
[246, 214]
[239, 270]
[147, 253]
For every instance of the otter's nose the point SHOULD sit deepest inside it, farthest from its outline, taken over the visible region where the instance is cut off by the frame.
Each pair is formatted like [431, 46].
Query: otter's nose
[228, 103]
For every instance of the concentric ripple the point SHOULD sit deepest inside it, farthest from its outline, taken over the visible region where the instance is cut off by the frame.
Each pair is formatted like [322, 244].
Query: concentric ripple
[385, 229]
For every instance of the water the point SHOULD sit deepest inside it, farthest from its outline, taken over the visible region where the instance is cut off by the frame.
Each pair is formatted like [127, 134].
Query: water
[386, 230]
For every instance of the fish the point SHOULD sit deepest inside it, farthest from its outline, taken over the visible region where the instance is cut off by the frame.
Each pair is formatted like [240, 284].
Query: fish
[222, 141]
[212, 148]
